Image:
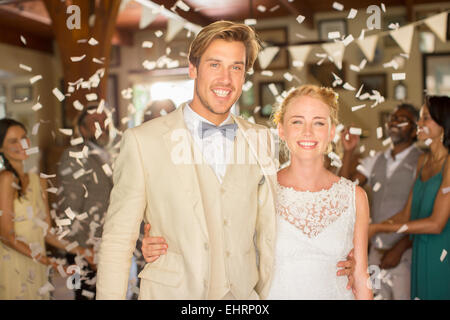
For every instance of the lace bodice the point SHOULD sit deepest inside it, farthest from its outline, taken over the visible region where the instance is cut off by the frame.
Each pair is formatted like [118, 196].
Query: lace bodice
[314, 233]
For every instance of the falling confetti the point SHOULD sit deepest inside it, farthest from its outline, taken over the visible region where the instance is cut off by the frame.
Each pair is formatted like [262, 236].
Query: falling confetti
[398, 76]
[443, 255]
[24, 41]
[35, 79]
[106, 168]
[349, 87]
[338, 6]
[300, 18]
[32, 150]
[334, 35]
[91, 97]
[274, 8]
[349, 39]
[355, 131]
[58, 94]
[261, 8]
[402, 229]
[428, 141]
[355, 108]
[93, 42]
[379, 132]
[267, 73]
[386, 142]
[352, 13]
[37, 107]
[77, 59]
[67, 132]
[250, 22]
[25, 67]
[446, 190]
[376, 187]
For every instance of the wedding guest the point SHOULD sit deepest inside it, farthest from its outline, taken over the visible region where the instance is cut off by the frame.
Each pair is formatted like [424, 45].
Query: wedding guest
[390, 174]
[84, 173]
[426, 214]
[25, 221]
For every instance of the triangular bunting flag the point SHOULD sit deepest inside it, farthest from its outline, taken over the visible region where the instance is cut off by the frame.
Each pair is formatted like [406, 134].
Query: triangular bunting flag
[148, 15]
[299, 53]
[438, 24]
[368, 46]
[173, 27]
[266, 56]
[403, 36]
[335, 50]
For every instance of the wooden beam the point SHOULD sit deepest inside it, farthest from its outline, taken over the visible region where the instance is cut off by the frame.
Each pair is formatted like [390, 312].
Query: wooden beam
[409, 4]
[105, 12]
[35, 42]
[191, 15]
[300, 7]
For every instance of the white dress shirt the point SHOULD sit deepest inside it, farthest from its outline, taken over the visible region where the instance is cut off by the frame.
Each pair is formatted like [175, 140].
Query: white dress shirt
[216, 148]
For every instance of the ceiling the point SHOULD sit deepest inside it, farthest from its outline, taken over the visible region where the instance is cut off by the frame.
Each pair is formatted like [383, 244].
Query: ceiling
[30, 17]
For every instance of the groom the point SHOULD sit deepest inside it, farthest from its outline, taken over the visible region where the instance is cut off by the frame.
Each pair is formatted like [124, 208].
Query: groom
[205, 179]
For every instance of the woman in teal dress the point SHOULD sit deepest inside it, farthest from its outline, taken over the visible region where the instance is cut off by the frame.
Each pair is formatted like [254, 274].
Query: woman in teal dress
[427, 211]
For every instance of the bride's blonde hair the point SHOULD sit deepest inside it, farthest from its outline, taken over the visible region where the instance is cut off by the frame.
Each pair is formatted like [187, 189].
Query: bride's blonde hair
[324, 94]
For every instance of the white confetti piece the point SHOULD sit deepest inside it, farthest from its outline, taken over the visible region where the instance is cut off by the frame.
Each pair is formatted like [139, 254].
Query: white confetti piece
[147, 44]
[32, 150]
[334, 35]
[76, 155]
[250, 22]
[95, 60]
[355, 108]
[63, 222]
[58, 94]
[76, 141]
[379, 242]
[36, 107]
[77, 105]
[82, 216]
[35, 79]
[383, 7]
[92, 42]
[386, 142]
[354, 68]
[47, 176]
[300, 18]
[372, 153]
[149, 65]
[349, 87]
[52, 190]
[35, 129]
[24, 41]
[446, 190]
[88, 294]
[443, 255]
[298, 64]
[67, 132]
[338, 6]
[107, 169]
[288, 76]
[24, 143]
[428, 141]
[267, 73]
[98, 130]
[352, 13]
[183, 6]
[91, 97]
[78, 173]
[403, 124]
[399, 76]
[379, 132]
[355, 131]
[274, 8]
[69, 213]
[158, 33]
[77, 59]
[349, 39]
[362, 170]
[362, 149]
[362, 64]
[62, 235]
[402, 229]
[25, 67]
[261, 8]
[247, 86]
[376, 187]
[45, 289]
[257, 108]
[71, 246]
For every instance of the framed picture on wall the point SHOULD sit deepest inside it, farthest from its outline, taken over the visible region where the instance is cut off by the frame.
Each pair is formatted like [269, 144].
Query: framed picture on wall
[22, 93]
[331, 25]
[267, 98]
[436, 73]
[275, 37]
[373, 81]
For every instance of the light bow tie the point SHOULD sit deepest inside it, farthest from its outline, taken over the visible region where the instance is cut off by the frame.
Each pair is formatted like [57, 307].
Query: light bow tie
[227, 130]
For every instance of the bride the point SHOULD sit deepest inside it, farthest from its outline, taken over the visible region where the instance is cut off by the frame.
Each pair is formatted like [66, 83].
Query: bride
[320, 217]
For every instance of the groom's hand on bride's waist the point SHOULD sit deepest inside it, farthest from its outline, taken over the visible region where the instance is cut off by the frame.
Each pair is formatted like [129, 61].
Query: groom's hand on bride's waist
[152, 247]
[348, 266]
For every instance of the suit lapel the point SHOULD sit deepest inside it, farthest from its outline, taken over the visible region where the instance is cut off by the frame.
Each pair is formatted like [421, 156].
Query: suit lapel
[178, 138]
[269, 171]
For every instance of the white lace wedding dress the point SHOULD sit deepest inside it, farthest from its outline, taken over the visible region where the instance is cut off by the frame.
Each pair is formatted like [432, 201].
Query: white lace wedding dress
[314, 233]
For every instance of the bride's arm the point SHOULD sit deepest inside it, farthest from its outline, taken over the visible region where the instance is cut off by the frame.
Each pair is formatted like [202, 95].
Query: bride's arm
[360, 239]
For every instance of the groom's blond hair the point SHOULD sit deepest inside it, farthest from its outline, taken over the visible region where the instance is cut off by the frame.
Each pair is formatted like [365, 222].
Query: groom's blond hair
[228, 31]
